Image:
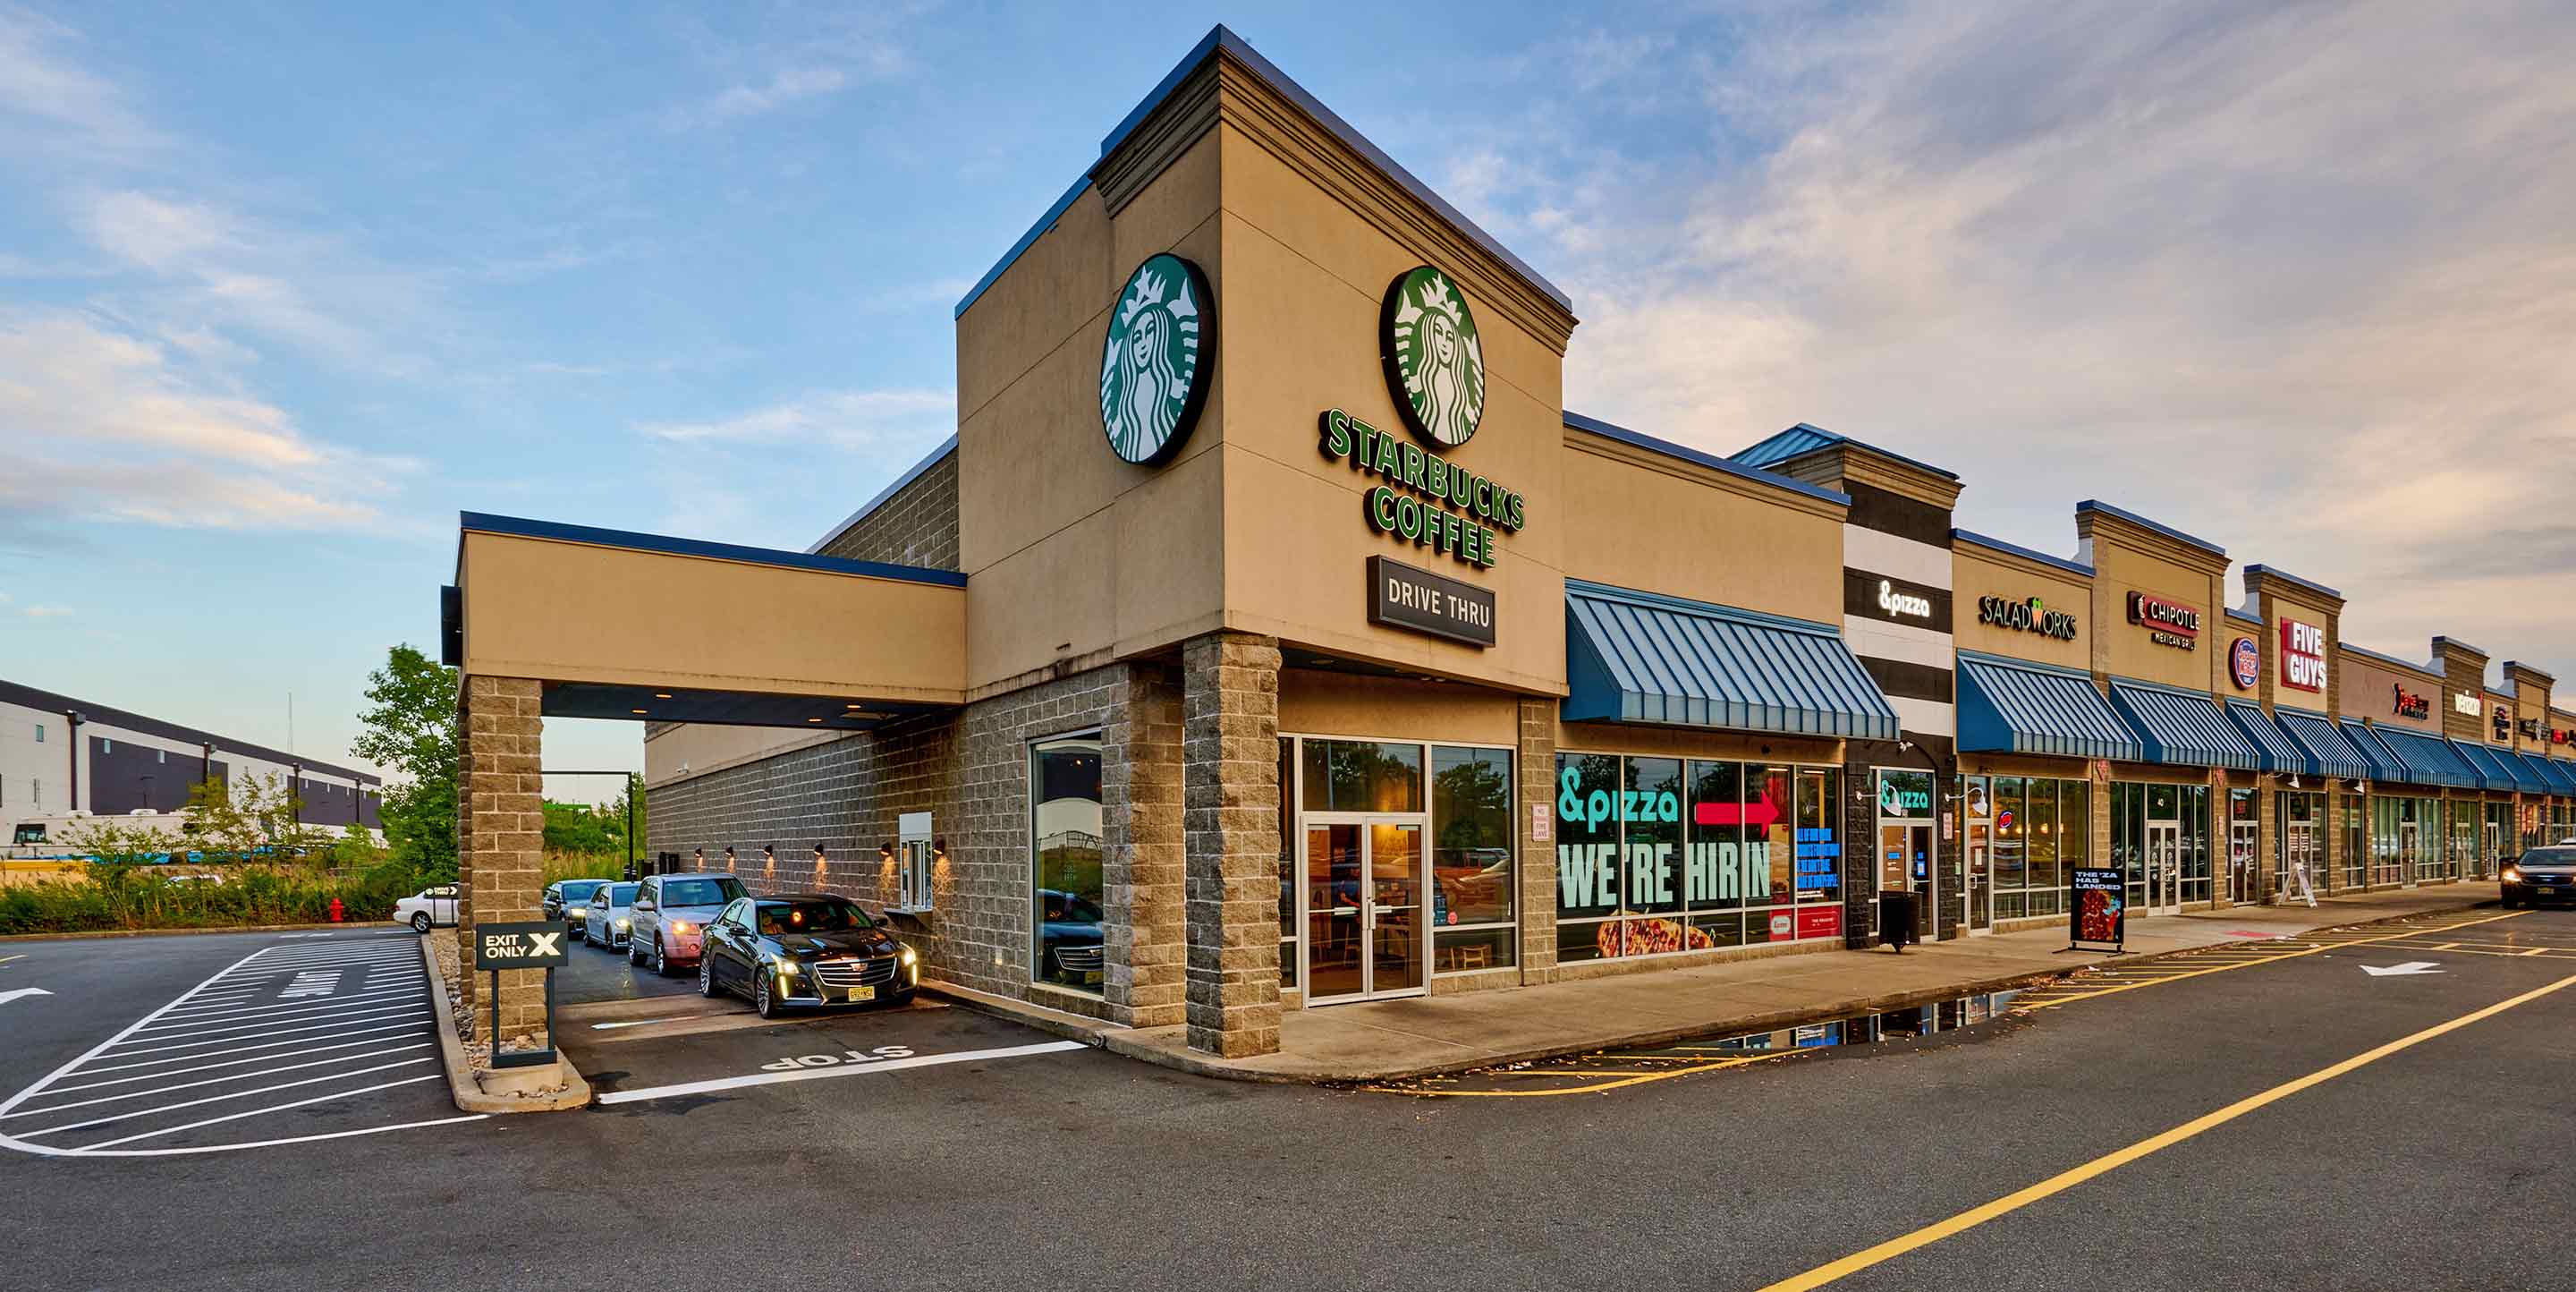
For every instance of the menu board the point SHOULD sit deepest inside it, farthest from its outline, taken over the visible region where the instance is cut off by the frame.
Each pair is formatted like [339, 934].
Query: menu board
[2098, 917]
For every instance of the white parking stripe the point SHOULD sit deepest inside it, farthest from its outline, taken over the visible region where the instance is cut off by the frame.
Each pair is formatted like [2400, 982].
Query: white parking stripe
[331, 962]
[255, 1112]
[239, 1031]
[216, 1099]
[208, 1081]
[45, 1150]
[821, 1074]
[203, 1067]
[417, 984]
[323, 1027]
[404, 1025]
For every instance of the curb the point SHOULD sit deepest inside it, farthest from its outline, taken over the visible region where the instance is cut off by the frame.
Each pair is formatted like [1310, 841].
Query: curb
[168, 933]
[465, 1088]
[1094, 1032]
[1123, 1042]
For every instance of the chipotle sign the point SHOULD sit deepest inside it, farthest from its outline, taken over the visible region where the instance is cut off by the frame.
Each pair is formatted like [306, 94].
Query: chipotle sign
[2168, 623]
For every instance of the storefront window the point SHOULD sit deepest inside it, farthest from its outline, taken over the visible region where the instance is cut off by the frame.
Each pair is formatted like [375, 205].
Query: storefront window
[2045, 880]
[1472, 875]
[1066, 891]
[1362, 776]
[2012, 847]
[1654, 855]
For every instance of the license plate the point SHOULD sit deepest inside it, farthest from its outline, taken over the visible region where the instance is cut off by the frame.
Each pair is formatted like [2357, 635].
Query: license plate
[2546, 892]
[1094, 976]
[863, 993]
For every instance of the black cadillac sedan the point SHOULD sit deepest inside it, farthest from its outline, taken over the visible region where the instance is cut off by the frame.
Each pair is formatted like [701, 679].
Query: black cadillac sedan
[2541, 875]
[804, 949]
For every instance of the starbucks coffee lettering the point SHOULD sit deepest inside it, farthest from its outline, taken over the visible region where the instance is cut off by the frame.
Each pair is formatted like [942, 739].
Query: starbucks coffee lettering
[1426, 499]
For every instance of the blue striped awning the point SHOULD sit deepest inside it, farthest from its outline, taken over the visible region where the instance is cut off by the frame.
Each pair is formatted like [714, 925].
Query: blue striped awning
[2182, 728]
[2011, 706]
[2560, 773]
[2502, 773]
[2383, 764]
[2278, 752]
[2430, 760]
[1643, 657]
[2329, 754]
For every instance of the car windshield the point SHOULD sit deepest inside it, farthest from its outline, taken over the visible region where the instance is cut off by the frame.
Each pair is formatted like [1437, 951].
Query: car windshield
[819, 916]
[701, 892]
[621, 894]
[580, 891]
[2550, 857]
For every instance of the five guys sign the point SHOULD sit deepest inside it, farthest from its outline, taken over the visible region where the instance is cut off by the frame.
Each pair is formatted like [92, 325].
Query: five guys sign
[2303, 655]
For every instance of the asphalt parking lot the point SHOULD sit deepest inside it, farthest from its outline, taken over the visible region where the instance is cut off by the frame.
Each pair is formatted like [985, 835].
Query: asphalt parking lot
[2293, 1121]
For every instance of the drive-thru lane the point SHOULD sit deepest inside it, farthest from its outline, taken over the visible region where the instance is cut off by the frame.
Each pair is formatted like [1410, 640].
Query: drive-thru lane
[292, 1041]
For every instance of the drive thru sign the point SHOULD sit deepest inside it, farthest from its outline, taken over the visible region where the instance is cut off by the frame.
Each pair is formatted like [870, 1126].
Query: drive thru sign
[529, 944]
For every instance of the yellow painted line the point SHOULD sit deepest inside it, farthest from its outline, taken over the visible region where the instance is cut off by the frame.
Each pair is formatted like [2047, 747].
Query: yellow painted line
[6, 959]
[2287, 955]
[2064, 1180]
[1576, 1090]
[1584, 1072]
[2537, 951]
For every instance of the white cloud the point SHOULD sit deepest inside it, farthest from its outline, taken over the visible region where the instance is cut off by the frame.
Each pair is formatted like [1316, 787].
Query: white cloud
[48, 612]
[785, 86]
[845, 418]
[101, 423]
[2295, 279]
[71, 108]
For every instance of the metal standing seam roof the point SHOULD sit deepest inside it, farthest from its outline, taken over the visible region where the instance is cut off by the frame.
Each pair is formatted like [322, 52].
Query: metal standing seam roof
[2561, 775]
[2384, 763]
[2014, 706]
[2500, 773]
[1643, 657]
[2279, 753]
[2430, 760]
[2329, 754]
[2182, 728]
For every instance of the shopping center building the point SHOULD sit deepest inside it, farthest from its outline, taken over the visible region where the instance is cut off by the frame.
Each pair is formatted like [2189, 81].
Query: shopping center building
[1271, 636]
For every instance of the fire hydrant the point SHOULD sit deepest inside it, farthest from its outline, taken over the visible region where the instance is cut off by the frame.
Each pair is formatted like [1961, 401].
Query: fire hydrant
[335, 910]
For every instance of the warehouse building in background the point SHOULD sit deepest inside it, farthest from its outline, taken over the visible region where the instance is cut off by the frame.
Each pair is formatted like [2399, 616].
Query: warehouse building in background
[61, 757]
[1270, 636]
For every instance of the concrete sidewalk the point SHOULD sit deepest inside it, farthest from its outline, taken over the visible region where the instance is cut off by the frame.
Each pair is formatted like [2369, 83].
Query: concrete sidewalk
[1385, 1040]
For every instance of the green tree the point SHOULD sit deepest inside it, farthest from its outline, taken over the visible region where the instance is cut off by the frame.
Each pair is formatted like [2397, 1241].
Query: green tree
[411, 732]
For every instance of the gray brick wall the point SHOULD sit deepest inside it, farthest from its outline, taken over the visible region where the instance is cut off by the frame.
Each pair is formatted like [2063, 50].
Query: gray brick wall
[917, 526]
[970, 770]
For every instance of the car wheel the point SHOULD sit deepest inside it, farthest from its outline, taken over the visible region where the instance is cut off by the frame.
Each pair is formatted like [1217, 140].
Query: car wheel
[661, 958]
[420, 921]
[763, 1000]
[707, 976]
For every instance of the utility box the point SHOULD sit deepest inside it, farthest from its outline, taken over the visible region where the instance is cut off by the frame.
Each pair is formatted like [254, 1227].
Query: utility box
[1897, 911]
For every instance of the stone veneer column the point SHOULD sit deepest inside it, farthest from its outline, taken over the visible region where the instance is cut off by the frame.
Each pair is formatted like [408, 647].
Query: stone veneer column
[1537, 802]
[501, 835]
[1230, 846]
[1140, 792]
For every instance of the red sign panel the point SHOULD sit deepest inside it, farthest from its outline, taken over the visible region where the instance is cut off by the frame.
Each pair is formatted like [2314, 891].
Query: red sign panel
[2303, 655]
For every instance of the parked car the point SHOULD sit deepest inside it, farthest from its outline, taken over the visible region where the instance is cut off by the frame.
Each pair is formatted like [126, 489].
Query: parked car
[564, 899]
[1069, 939]
[671, 914]
[430, 906]
[804, 949]
[2541, 875]
[604, 922]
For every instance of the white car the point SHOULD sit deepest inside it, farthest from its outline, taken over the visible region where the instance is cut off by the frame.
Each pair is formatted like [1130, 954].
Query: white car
[430, 906]
[670, 916]
[605, 923]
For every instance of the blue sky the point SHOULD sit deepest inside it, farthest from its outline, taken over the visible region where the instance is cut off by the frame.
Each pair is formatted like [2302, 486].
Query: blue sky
[283, 288]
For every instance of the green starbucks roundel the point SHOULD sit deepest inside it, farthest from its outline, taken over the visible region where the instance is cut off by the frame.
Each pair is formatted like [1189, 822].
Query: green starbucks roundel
[1435, 366]
[1154, 366]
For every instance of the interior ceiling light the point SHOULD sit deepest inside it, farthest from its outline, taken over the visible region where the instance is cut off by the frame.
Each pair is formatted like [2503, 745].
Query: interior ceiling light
[635, 710]
[661, 695]
[813, 719]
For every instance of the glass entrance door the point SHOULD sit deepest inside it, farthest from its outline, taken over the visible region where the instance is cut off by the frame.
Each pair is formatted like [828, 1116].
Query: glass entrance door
[2299, 860]
[2164, 868]
[2241, 843]
[2410, 851]
[1980, 879]
[1365, 879]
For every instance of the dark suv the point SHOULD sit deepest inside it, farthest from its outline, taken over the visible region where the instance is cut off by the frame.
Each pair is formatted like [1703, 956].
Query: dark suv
[2541, 875]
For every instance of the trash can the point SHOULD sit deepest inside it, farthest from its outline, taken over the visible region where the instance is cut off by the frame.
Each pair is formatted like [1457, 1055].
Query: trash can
[1896, 915]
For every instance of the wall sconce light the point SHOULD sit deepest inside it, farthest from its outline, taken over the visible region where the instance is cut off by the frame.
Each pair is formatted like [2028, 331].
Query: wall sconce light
[885, 851]
[939, 847]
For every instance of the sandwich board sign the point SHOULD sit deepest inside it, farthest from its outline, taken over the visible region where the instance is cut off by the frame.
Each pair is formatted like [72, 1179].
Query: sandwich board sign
[2098, 918]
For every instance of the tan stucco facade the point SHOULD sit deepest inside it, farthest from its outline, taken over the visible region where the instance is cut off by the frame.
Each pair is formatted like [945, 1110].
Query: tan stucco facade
[1979, 572]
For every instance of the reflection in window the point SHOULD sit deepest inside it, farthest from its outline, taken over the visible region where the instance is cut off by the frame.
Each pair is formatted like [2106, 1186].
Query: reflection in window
[1471, 822]
[1066, 891]
[1362, 776]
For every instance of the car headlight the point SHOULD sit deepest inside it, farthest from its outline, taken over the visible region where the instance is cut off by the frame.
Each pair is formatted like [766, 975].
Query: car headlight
[910, 956]
[2512, 875]
[786, 967]
[621, 924]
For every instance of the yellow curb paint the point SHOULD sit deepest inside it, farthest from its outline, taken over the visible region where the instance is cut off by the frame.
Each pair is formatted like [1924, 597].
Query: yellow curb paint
[2064, 1180]
[1573, 1090]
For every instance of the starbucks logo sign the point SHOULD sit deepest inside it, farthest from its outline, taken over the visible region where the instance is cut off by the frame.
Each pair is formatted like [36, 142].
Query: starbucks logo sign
[1154, 365]
[1435, 365]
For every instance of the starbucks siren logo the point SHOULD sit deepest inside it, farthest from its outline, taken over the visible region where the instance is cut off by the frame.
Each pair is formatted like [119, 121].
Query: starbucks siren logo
[1153, 368]
[1434, 363]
